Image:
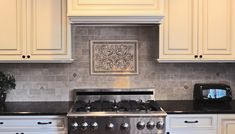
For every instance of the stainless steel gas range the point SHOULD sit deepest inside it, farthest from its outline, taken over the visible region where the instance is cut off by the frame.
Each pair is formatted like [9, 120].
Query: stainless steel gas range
[115, 111]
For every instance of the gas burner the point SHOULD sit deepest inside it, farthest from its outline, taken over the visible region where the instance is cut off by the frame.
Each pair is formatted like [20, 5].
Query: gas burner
[130, 105]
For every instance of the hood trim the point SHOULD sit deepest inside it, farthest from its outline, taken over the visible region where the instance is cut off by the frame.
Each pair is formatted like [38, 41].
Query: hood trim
[116, 19]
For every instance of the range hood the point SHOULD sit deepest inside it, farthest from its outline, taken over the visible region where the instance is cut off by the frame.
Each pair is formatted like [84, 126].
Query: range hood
[115, 11]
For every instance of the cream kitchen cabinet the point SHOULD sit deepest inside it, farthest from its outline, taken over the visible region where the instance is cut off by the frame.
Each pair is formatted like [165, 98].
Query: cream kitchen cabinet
[191, 123]
[33, 125]
[115, 7]
[34, 31]
[118, 11]
[198, 31]
[226, 124]
[11, 34]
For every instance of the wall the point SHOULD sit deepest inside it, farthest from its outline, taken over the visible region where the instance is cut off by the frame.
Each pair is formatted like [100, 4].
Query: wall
[54, 82]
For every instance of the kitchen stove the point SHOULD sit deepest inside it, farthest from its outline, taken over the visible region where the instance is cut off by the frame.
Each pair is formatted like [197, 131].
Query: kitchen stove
[116, 111]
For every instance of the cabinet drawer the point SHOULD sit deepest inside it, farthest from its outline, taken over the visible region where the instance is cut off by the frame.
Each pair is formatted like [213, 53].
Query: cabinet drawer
[192, 121]
[62, 132]
[28, 122]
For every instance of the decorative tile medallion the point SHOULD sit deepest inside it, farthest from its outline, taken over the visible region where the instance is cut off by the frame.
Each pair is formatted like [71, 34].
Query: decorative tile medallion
[114, 57]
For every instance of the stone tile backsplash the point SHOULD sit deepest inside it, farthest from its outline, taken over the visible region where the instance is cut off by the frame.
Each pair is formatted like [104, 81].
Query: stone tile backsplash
[55, 82]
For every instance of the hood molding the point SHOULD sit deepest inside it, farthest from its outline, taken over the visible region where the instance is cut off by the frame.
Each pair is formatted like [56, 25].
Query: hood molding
[116, 19]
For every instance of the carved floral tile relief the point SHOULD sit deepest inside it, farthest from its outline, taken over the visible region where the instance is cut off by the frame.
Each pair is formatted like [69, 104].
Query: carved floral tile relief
[119, 57]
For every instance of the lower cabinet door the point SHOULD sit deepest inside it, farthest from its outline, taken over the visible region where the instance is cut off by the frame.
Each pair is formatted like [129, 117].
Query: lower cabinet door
[226, 124]
[191, 124]
[8, 132]
[62, 132]
[193, 132]
[44, 133]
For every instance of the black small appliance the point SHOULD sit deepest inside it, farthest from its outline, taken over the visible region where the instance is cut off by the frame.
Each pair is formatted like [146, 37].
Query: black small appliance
[211, 92]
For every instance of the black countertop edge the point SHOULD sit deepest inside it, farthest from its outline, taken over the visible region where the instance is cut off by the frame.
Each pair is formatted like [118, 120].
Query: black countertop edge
[33, 113]
[35, 108]
[193, 107]
[63, 107]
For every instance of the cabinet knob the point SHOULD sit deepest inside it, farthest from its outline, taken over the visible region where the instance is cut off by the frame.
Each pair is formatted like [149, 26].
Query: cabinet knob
[28, 56]
[200, 56]
[23, 56]
[195, 56]
[1, 123]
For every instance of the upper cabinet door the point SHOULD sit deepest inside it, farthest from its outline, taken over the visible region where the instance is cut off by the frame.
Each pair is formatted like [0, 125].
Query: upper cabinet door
[216, 29]
[11, 29]
[115, 7]
[47, 40]
[178, 34]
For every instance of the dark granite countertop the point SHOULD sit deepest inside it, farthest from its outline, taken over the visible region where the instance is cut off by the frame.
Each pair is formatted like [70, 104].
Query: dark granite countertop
[35, 108]
[192, 107]
[62, 108]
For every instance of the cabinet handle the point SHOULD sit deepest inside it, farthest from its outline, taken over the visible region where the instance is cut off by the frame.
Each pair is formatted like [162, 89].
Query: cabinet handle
[1, 123]
[23, 56]
[44, 123]
[195, 56]
[28, 56]
[200, 56]
[190, 121]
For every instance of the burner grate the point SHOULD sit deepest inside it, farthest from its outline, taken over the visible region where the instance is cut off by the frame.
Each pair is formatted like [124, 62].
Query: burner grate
[121, 106]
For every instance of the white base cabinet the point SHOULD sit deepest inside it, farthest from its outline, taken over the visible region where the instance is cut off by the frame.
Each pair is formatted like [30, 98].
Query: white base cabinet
[191, 124]
[226, 124]
[32, 132]
[200, 124]
[33, 125]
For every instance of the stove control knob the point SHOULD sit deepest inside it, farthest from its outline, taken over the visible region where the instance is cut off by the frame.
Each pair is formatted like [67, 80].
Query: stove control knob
[94, 125]
[160, 125]
[150, 125]
[125, 126]
[110, 126]
[84, 126]
[140, 125]
[75, 125]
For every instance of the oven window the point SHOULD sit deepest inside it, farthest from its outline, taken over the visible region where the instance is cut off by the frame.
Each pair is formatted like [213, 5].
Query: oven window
[213, 93]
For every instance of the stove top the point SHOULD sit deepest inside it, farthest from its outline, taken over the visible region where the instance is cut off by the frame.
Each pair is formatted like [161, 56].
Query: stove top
[115, 102]
[116, 111]
[114, 106]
